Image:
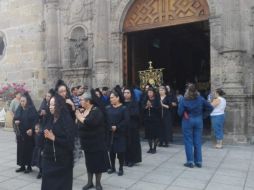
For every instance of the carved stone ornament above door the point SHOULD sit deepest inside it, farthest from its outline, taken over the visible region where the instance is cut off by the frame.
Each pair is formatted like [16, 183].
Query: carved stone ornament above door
[148, 14]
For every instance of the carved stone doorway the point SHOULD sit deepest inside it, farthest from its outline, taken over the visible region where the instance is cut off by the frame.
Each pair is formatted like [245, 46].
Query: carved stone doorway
[145, 15]
[175, 35]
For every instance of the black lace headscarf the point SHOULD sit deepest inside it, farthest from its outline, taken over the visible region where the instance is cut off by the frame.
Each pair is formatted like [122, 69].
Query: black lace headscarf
[133, 99]
[63, 115]
[60, 83]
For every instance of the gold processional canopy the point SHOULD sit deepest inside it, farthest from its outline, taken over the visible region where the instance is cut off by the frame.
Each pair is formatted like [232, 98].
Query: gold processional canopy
[151, 76]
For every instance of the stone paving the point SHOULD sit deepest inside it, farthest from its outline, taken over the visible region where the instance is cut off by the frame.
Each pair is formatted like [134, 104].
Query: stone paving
[231, 168]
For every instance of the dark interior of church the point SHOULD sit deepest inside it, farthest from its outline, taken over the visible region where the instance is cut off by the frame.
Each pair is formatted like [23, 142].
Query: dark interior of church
[183, 50]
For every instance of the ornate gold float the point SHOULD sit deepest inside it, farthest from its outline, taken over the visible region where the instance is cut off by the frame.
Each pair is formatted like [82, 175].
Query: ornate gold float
[151, 76]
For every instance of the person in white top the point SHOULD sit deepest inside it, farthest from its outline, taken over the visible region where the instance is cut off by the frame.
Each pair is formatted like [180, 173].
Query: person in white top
[218, 116]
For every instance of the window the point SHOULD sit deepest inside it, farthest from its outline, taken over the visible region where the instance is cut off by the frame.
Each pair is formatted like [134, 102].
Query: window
[2, 45]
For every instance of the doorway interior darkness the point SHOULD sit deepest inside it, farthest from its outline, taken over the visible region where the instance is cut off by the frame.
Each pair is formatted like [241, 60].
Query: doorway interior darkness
[183, 50]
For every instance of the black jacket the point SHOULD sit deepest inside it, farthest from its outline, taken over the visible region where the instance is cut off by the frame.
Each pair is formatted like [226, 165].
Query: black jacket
[92, 131]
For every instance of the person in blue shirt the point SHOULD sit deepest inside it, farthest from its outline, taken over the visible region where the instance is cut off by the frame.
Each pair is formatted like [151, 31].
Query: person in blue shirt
[137, 93]
[105, 96]
[190, 109]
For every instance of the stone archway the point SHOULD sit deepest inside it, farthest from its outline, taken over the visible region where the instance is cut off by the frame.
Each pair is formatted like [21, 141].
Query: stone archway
[149, 14]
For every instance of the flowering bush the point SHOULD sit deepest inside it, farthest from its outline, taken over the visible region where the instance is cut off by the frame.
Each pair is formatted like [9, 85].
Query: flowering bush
[7, 91]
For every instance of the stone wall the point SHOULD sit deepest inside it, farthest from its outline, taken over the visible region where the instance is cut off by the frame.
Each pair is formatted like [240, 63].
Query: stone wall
[21, 23]
[81, 41]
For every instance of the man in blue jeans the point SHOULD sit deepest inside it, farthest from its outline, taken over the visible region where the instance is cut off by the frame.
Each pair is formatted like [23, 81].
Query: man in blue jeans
[191, 108]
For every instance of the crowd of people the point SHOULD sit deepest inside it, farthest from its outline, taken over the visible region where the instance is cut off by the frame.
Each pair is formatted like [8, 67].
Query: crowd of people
[105, 125]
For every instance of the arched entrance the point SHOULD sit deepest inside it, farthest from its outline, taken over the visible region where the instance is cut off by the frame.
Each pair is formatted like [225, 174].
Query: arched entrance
[173, 34]
[159, 24]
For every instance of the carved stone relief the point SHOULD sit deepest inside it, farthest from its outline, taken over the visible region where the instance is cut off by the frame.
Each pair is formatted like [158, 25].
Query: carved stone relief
[78, 48]
[80, 10]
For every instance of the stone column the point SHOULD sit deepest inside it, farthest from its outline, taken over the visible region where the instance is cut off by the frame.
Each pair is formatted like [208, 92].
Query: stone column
[52, 42]
[102, 66]
[232, 66]
[232, 52]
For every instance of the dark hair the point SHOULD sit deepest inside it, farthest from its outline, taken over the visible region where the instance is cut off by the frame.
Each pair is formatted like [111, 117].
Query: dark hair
[104, 88]
[98, 90]
[16, 93]
[29, 100]
[52, 92]
[117, 92]
[220, 92]
[59, 105]
[62, 83]
[78, 87]
[133, 98]
[191, 92]
[73, 88]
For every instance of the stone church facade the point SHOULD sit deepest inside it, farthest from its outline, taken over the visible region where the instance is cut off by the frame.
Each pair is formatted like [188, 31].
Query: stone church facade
[82, 41]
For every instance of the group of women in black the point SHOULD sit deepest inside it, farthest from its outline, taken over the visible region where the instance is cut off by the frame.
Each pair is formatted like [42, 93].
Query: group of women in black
[157, 116]
[104, 132]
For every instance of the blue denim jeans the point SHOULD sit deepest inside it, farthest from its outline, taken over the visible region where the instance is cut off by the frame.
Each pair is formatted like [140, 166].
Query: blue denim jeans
[218, 126]
[192, 132]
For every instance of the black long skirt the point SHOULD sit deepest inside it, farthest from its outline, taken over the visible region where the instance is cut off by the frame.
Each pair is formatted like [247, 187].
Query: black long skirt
[166, 129]
[133, 151]
[25, 145]
[56, 175]
[152, 129]
[97, 162]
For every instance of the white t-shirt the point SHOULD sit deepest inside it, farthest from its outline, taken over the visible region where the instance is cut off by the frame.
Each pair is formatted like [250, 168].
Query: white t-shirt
[219, 109]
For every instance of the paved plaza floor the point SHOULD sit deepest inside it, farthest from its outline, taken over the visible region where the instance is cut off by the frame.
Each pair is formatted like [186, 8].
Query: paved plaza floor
[231, 168]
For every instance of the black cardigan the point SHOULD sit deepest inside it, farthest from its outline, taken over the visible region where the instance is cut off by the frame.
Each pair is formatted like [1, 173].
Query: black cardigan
[92, 131]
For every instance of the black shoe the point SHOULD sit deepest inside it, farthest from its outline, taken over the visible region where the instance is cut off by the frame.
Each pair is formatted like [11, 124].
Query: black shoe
[99, 187]
[110, 171]
[189, 165]
[21, 169]
[120, 173]
[28, 170]
[130, 164]
[39, 175]
[154, 151]
[88, 186]
[149, 151]
[198, 165]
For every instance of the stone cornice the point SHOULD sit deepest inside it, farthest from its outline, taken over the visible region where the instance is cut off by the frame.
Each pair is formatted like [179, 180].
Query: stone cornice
[233, 51]
[51, 1]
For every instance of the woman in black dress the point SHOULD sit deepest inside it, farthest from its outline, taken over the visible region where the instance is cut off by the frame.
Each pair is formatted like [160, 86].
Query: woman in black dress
[25, 119]
[63, 90]
[57, 161]
[92, 138]
[152, 120]
[117, 118]
[166, 116]
[133, 152]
